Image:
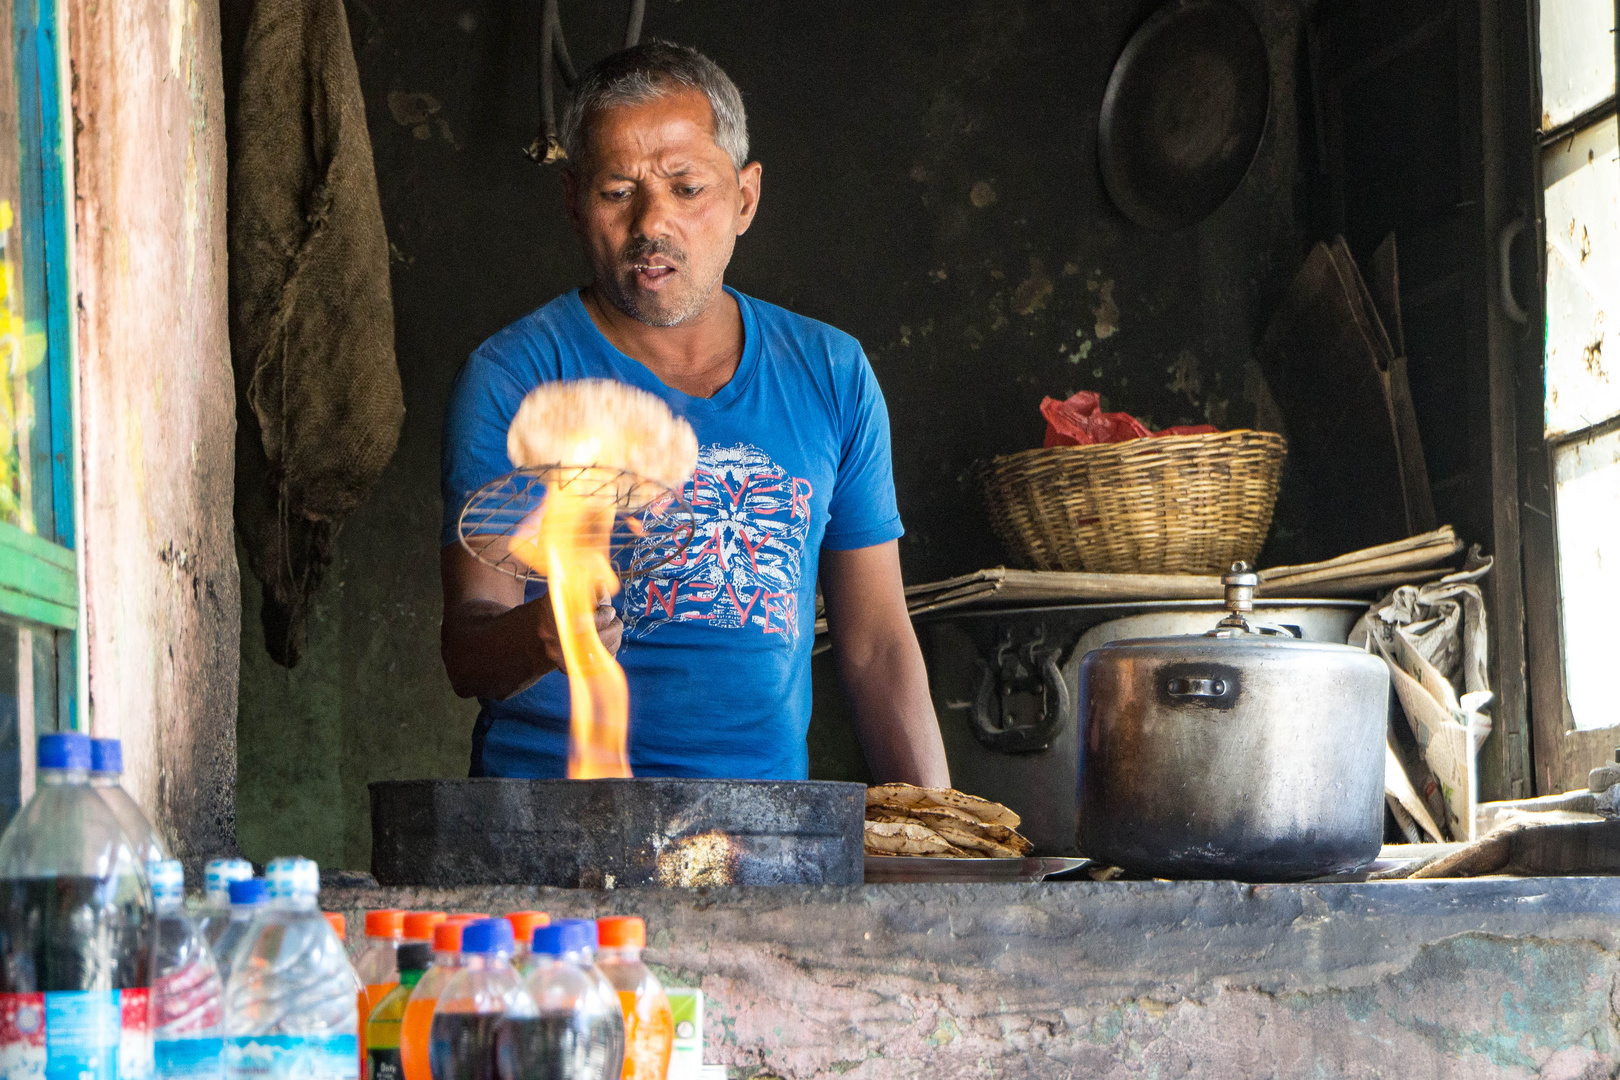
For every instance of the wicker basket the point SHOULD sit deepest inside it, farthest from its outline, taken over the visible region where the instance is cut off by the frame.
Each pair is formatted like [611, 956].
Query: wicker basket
[1178, 504]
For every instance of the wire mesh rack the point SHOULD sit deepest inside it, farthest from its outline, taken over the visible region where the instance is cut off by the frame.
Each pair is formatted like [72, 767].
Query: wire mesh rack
[652, 524]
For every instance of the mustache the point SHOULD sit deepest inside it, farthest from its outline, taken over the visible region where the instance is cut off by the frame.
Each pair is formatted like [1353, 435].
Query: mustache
[642, 247]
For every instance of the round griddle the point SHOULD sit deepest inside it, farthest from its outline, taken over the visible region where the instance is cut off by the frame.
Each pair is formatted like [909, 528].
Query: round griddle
[1184, 112]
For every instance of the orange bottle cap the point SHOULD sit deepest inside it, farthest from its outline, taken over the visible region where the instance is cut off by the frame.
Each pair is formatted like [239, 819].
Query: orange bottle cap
[418, 925]
[466, 917]
[622, 931]
[524, 923]
[447, 936]
[388, 923]
[339, 925]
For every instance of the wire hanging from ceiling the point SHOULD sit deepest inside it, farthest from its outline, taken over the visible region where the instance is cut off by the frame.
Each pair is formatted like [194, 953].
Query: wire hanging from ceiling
[546, 149]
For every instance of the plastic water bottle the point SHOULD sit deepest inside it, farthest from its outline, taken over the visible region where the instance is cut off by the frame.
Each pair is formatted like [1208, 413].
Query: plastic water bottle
[75, 930]
[290, 1010]
[187, 994]
[649, 1026]
[247, 897]
[107, 777]
[215, 913]
[562, 1041]
[485, 991]
[606, 1015]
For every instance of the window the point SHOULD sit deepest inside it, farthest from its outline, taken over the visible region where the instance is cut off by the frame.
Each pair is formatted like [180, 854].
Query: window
[39, 587]
[1580, 170]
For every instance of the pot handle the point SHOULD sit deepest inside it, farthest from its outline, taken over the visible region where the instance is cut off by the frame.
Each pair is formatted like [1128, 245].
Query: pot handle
[989, 720]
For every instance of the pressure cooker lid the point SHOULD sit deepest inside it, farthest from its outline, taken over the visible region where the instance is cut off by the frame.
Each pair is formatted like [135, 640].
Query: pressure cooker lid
[1239, 628]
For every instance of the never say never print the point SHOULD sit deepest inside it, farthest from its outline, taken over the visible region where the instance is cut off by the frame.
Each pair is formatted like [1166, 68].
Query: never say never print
[745, 563]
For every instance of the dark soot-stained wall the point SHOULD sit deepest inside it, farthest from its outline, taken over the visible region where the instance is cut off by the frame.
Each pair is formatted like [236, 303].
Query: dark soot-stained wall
[930, 186]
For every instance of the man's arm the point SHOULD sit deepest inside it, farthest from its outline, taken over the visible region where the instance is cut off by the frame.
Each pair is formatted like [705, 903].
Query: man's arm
[494, 645]
[881, 665]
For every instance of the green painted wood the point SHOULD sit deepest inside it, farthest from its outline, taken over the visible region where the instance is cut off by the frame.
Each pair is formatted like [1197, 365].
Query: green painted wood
[38, 579]
[20, 605]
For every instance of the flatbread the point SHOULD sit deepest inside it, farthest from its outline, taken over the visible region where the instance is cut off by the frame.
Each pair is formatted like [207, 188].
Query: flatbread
[904, 838]
[908, 796]
[949, 824]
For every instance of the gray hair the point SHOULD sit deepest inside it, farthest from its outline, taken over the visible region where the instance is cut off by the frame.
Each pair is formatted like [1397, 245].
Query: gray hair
[644, 73]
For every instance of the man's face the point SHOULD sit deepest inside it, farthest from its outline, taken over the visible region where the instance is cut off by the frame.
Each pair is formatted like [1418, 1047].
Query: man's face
[659, 206]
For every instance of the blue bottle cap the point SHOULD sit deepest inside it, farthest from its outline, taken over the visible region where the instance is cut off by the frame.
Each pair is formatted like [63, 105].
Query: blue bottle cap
[586, 931]
[168, 879]
[248, 892]
[487, 937]
[550, 941]
[106, 755]
[64, 750]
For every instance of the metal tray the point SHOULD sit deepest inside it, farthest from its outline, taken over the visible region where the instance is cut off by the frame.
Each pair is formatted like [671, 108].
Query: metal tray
[920, 869]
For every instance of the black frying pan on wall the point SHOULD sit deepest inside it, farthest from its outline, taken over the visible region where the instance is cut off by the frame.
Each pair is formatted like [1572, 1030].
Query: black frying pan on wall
[1184, 113]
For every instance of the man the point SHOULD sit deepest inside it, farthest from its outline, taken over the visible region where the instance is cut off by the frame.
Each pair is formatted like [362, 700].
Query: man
[793, 475]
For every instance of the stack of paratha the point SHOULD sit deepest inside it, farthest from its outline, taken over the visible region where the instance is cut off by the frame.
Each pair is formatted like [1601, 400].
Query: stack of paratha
[941, 823]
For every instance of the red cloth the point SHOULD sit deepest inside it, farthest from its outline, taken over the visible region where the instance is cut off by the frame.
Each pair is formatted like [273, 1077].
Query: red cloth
[1080, 421]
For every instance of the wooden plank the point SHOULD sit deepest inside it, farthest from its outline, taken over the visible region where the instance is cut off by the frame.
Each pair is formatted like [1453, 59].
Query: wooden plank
[20, 605]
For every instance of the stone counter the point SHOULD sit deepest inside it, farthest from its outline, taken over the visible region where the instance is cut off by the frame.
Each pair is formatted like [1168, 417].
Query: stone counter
[1493, 977]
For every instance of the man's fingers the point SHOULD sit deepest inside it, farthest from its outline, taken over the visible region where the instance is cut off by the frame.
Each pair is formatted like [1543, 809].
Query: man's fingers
[609, 628]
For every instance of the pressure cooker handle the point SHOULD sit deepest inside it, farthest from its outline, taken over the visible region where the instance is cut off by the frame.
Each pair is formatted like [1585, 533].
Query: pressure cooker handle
[989, 720]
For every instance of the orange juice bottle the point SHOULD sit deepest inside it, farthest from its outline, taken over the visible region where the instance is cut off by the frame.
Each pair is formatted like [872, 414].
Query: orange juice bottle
[377, 965]
[523, 927]
[649, 1027]
[417, 1025]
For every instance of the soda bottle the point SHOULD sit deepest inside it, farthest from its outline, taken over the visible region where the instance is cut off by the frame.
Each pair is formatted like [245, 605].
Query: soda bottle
[107, 776]
[290, 1011]
[215, 913]
[247, 897]
[75, 930]
[649, 1028]
[377, 964]
[384, 1023]
[486, 989]
[416, 1027]
[419, 926]
[607, 1017]
[187, 994]
[561, 1041]
[524, 924]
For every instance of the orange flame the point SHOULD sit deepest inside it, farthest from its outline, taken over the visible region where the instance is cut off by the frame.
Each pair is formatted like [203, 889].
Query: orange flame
[570, 545]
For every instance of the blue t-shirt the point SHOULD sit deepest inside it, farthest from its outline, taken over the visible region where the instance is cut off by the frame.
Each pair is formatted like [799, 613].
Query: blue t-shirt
[793, 457]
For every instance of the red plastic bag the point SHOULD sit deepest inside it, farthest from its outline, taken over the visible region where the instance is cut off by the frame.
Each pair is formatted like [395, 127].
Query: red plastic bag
[1080, 421]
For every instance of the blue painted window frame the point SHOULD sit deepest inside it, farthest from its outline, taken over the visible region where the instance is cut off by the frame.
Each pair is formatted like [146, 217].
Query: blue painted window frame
[39, 580]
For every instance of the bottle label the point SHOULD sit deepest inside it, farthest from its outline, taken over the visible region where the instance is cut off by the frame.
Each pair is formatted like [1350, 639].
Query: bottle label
[292, 1057]
[385, 1065]
[76, 1035]
[189, 1059]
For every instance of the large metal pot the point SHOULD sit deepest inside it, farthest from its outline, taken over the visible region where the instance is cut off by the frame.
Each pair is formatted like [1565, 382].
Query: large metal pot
[1010, 727]
[1245, 753]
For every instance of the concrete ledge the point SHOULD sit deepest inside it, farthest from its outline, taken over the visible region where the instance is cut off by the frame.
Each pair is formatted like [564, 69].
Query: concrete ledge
[1497, 977]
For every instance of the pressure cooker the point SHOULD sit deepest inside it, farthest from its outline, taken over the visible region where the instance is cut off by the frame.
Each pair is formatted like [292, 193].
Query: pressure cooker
[1245, 753]
[1006, 682]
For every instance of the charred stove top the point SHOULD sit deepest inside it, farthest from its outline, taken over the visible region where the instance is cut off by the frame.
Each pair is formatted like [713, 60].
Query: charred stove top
[593, 834]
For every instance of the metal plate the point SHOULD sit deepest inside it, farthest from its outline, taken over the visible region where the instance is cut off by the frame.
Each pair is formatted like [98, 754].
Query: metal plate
[1184, 112]
[920, 870]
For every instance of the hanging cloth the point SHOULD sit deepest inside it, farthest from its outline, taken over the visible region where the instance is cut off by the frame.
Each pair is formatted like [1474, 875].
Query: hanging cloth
[319, 404]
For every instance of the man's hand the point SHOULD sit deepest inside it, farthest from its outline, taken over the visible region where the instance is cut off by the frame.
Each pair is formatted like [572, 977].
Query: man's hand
[494, 644]
[881, 666]
[608, 628]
